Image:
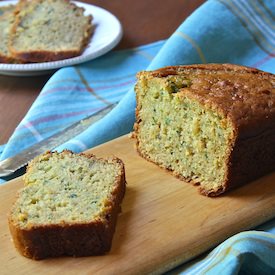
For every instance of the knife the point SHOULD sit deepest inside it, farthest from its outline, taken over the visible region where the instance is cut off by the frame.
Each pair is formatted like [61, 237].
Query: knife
[12, 164]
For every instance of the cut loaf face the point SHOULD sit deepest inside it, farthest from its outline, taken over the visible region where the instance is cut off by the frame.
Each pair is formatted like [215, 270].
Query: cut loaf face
[212, 125]
[69, 205]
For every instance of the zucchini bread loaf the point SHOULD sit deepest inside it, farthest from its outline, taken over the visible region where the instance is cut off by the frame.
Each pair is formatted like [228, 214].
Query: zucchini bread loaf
[49, 30]
[212, 125]
[68, 206]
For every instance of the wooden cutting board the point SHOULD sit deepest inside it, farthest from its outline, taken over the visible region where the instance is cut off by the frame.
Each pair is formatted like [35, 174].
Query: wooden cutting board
[164, 221]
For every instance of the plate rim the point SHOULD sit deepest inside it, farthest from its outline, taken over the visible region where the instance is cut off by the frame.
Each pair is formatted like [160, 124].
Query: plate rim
[45, 67]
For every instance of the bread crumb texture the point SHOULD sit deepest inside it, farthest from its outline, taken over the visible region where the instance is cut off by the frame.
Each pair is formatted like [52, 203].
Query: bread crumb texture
[46, 30]
[190, 119]
[66, 188]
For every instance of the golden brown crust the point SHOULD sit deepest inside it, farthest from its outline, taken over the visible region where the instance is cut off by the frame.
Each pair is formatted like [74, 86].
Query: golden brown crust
[244, 95]
[6, 59]
[43, 56]
[72, 239]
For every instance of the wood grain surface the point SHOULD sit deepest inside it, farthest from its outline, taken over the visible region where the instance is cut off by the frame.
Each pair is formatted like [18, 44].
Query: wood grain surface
[143, 22]
[164, 221]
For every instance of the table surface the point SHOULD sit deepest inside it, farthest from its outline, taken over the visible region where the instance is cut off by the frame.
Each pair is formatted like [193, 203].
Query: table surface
[143, 22]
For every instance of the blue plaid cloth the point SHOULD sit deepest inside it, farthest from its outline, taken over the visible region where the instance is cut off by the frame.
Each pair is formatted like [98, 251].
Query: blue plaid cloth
[220, 31]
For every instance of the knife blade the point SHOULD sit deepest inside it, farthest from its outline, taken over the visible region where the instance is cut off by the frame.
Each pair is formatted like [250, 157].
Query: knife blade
[12, 164]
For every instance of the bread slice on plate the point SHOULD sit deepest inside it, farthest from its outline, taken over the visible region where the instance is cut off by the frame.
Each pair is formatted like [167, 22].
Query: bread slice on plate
[68, 206]
[212, 125]
[6, 22]
[49, 30]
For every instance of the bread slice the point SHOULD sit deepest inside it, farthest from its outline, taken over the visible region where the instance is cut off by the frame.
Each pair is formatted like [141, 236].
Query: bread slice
[212, 125]
[6, 22]
[68, 206]
[49, 30]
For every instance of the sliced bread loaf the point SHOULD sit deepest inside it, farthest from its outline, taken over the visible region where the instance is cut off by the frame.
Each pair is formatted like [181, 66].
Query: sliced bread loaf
[68, 206]
[49, 30]
[213, 124]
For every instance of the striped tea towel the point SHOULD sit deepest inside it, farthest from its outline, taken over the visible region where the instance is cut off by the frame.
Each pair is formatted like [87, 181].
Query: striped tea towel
[220, 31]
[251, 252]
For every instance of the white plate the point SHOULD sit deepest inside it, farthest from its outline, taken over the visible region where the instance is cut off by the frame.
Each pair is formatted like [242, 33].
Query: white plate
[107, 34]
